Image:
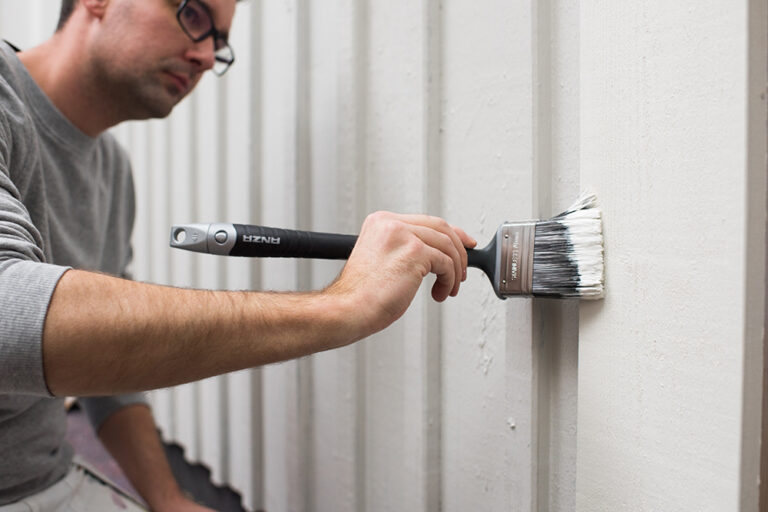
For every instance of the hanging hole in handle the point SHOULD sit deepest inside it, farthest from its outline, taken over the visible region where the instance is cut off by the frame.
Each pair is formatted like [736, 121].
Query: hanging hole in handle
[180, 235]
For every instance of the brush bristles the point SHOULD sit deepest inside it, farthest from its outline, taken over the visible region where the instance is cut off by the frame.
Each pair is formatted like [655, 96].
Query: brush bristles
[568, 252]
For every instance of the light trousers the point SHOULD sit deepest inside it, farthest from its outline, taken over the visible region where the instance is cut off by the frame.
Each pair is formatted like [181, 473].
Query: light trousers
[82, 490]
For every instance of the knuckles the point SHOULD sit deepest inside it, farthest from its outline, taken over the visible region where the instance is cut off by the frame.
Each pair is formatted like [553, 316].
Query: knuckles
[378, 216]
[414, 249]
[386, 226]
[441, 225]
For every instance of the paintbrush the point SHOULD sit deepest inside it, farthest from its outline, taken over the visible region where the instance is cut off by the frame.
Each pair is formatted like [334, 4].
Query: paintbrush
[559, 257]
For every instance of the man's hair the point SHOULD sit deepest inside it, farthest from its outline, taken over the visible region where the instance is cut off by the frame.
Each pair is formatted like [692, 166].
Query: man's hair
[67, 6]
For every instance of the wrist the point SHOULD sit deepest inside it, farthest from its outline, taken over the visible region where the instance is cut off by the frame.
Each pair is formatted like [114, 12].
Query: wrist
[167, 499]
[348, 314]
[337, 317]
[298, 324]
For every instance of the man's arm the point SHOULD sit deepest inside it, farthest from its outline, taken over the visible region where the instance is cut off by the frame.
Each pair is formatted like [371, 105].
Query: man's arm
[131, 437]
[105, 335]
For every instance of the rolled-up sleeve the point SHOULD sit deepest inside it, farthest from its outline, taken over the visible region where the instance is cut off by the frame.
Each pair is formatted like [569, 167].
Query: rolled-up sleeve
[25, 291]
[26, 286]
[98, 409]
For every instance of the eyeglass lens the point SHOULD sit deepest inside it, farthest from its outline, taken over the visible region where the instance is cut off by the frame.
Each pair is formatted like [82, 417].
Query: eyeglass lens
[196, 21]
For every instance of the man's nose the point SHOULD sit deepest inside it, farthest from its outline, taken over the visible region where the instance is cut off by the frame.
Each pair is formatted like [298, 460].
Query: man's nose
[202, 54]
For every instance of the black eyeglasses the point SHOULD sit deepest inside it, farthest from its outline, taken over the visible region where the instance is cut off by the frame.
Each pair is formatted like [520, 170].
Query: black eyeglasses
[196, 20]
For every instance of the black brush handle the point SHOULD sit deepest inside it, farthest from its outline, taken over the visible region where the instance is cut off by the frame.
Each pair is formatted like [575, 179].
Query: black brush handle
[484, 259]
[265, 242]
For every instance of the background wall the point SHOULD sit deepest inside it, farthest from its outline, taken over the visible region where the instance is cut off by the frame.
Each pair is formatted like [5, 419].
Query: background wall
[480, 112]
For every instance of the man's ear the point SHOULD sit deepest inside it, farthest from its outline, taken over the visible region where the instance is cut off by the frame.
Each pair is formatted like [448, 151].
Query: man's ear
[96, 8]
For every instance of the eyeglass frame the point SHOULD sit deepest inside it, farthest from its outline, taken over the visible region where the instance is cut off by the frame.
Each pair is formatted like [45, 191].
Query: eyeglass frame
[213, 31]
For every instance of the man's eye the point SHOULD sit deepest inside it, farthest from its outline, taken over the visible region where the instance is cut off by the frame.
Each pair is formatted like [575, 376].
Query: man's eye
[190, 15]
[195, 18]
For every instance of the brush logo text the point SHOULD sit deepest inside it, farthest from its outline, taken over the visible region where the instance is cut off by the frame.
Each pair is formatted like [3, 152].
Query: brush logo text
[515, 255]
[257, 239]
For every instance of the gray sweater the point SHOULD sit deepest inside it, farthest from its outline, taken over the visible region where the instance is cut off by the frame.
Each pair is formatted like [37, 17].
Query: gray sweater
[66, 201]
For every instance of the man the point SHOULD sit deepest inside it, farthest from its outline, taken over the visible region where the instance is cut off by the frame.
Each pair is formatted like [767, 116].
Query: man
[66, 212]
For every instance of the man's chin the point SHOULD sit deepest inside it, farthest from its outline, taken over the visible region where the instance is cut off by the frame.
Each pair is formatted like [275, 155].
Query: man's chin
[158, 108]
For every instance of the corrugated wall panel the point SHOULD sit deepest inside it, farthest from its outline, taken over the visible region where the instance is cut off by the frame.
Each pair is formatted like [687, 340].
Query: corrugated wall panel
[490, 365]
[331, 113]
[334, 392]
[673, 121]
[395, 155]
[556, 327]
[243, 422]
[285, 465]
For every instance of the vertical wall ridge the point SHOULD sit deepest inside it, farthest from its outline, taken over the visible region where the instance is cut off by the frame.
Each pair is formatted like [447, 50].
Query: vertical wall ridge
[256, 123]
[755, 264]
[433, 333]
[225, 173]
[168, 175]
[361, 56]
[192, 390]
[168, 419]
[555, 322]
[149, 216]
[221, 170]
[542, 206]
[521, 347]
[194, 178]
[361, 91]
[303, 205]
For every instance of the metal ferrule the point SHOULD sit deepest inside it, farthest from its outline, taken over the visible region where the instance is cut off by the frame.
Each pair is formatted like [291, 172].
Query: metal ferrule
[206, 238]
[515, 258]
[496, 280]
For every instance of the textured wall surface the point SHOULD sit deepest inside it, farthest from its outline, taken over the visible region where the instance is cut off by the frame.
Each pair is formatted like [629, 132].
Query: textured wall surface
[673, 113]
[480, 112]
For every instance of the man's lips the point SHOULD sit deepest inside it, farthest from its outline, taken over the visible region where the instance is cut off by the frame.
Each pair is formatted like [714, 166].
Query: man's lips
[180, 80]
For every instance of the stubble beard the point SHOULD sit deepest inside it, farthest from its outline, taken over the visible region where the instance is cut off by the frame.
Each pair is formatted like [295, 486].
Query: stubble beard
[134, 95]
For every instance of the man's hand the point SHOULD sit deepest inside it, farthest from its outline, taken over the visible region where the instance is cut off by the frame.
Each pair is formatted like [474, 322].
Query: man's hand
[393, 254]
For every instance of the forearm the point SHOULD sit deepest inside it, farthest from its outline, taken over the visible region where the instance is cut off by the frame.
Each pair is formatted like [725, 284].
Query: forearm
[131, 437]
[105, 335]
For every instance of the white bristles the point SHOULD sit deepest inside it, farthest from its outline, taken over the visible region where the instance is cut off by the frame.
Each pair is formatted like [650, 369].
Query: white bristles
[586, 200]
[585, 233]
[568, 252]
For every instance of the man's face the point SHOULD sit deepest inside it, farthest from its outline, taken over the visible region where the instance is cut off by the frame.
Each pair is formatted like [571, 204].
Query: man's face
[145, 59]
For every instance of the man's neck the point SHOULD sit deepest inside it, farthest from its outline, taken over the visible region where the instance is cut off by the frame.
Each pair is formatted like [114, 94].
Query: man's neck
[66, 84]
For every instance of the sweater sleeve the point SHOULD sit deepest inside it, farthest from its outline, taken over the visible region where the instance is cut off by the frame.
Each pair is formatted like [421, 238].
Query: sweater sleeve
[26, 286]
[98, 409]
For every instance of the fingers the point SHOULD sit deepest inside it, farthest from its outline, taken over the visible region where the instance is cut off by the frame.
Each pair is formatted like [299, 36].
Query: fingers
[447, 282]
[451, 241]
[446, 261]
[468, 241]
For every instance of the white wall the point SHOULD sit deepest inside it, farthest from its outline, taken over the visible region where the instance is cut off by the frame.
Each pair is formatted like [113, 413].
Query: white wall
[481, 112]
[673, 135]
